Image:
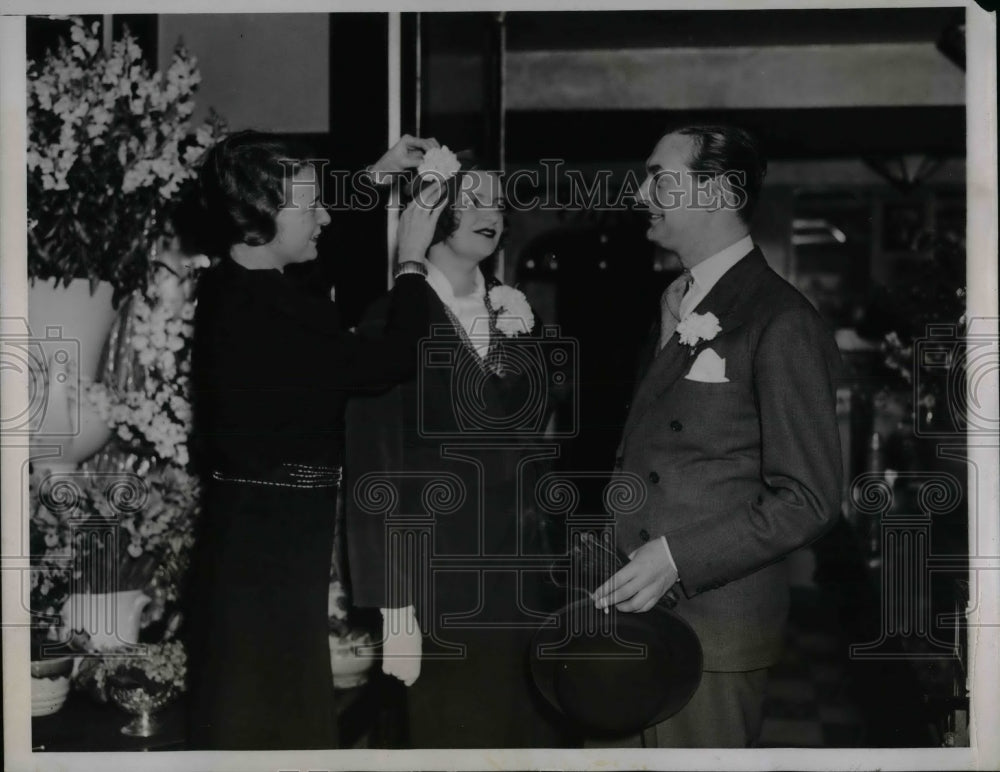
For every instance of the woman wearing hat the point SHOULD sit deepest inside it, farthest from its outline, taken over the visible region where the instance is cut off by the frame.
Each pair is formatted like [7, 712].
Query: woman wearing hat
[441, 474]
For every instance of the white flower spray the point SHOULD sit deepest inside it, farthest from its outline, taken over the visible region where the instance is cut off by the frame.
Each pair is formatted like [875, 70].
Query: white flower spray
[514, 316]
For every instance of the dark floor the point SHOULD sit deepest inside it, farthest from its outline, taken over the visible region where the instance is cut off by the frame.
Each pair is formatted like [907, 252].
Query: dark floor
[810, 701]
[821, 697]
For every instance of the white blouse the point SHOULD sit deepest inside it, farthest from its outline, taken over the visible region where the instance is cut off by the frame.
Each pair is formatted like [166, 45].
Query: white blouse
[470, 310]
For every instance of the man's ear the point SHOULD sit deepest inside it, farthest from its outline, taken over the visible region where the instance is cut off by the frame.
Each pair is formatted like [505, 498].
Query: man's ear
[717, 194]
[708, 193]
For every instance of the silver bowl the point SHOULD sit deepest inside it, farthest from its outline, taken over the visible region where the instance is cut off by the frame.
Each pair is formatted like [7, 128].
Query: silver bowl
[141, 703]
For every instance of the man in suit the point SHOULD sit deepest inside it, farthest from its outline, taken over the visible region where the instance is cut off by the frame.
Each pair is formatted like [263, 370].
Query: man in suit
[733, 428]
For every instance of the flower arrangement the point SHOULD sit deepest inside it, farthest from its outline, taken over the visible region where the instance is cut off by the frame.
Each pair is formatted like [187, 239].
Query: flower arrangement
[152, 414]
[110, 145]
[145, 524]
[159, 667]
[513, 312]
[144, 508]
[50, 564]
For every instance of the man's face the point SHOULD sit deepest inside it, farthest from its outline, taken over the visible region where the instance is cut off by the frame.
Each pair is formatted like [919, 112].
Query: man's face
[669, 191]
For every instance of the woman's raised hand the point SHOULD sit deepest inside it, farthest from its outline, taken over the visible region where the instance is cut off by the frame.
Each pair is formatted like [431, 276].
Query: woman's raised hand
[417, 223]
[407, 153]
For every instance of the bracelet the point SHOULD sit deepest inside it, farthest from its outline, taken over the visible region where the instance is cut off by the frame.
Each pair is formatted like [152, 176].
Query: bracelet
[410, 266]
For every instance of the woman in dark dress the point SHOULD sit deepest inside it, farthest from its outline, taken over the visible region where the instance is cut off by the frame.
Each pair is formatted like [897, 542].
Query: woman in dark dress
[458, 447]
[271, 371]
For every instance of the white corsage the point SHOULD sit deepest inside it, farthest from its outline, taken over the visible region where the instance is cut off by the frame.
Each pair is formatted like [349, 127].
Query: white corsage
[439, 163]
[695, 328]
[514, 315]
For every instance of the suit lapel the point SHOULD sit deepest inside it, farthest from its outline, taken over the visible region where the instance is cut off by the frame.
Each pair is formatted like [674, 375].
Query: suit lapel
[663, 371]
[724, 301]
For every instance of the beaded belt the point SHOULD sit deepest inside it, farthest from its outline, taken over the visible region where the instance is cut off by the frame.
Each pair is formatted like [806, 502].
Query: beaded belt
[289, 475]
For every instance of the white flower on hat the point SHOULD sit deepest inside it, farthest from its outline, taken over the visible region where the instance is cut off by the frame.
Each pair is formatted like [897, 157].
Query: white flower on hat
[695, 328]
[439, 163]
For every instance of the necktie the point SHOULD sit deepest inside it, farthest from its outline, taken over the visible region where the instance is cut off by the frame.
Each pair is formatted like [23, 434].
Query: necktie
[670, 305]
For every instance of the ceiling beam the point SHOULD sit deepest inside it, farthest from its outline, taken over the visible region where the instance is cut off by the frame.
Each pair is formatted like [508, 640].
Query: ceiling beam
[773, 77]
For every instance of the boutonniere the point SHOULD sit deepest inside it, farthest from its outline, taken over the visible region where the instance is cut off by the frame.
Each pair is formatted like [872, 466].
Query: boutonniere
[513, 312]
[695, 328]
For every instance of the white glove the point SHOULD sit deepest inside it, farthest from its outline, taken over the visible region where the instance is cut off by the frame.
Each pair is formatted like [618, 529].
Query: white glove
[401, 644]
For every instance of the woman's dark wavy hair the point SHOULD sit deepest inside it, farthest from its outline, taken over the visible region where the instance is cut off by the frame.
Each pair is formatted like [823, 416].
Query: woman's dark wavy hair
[447, 222]
[239, 191]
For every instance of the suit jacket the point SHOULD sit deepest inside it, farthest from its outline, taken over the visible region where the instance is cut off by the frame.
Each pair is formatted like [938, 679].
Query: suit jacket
[737, 474]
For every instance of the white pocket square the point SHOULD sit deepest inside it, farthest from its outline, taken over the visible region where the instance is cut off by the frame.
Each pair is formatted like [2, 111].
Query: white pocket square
[709, 367]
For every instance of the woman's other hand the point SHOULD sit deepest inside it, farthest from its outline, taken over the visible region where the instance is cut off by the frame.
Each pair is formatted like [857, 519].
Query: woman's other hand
[407, 153]
[401, 644]
[417, 223]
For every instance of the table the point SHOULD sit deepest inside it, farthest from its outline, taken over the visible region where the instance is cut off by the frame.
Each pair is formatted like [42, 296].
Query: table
[372, 714]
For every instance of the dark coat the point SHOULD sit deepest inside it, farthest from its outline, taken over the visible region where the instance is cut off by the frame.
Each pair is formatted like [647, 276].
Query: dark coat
[443, 442]
[273, 368]
[453, 456]
[737, 475]
[271, 372]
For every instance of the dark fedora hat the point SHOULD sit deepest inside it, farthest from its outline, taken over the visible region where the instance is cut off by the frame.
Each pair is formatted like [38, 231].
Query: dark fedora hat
[615, 674]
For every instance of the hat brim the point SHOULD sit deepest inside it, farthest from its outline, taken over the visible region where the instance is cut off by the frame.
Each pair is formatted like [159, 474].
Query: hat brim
[615, 674]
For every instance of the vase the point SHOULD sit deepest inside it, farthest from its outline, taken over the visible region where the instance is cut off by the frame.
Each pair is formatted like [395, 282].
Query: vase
[50, 682]
[68, 329]
[350, 661]
[111, 619]
[143, 702]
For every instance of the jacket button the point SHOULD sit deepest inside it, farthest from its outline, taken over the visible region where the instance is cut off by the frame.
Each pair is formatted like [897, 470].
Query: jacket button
[676, 426]
[644, 534]
[654, 477]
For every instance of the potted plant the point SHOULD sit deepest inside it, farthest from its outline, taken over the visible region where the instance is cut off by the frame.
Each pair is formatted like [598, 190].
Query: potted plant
[110, 144]
[928, 307]
[352, 650]
[50, 581]
[114, 544]
[50, 678]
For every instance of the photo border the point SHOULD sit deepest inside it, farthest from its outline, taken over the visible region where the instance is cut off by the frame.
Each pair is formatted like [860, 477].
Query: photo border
[984, 642]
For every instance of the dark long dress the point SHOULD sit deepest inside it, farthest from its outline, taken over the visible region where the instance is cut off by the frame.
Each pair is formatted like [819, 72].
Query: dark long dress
[463, 476]
[271, 372]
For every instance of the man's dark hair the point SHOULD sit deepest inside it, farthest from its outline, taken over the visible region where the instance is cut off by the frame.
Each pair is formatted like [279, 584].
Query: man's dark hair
[733, 155]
